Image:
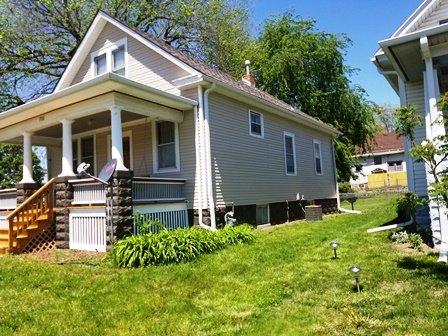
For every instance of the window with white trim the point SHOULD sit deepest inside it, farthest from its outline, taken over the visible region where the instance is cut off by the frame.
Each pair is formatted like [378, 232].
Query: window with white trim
[118, 61]
[110, 59]
[290, 153]
[317, 156]
[166, 146]
[84, 151]
[100, 62]
[256, 124]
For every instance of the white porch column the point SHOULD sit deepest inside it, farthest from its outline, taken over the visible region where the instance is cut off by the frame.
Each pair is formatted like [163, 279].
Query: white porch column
[67, 148]
[434, 128]
[27, 174]
[116, 136]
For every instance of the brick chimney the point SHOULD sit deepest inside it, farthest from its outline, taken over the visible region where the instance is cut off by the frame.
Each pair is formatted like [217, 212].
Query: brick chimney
[248, 78]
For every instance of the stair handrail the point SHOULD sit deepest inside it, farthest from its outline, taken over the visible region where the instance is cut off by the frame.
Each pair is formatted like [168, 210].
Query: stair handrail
[25, 205]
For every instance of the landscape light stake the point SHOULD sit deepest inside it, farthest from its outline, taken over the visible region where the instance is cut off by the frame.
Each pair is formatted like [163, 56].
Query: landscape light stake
[355, 270]
[334, 245]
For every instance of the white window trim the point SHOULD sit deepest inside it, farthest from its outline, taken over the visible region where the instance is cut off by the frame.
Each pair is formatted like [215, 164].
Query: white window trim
[250, 124]
[78, 138]
[131, 147]
[108, 51]
[155, 156]
[292, 135]
[315, 141]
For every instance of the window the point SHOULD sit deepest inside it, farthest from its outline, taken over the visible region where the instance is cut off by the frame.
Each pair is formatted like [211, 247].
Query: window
[317, 157]
[377, 160]
[290, 153]
[118, 65]
[110, 59]
[262, 214]
[166, 147]
[84, 151]
[100, 64]
[256, 124]
[441, 66]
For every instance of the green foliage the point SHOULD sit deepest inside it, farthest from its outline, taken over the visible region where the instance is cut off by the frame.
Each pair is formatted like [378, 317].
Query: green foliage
[301, 65]
[345, 187]
[11, 159]
[413, 239]
[144, 226]
[416, 241]
[407, 205]
[400, 237]
[176, 246]
[406, 120]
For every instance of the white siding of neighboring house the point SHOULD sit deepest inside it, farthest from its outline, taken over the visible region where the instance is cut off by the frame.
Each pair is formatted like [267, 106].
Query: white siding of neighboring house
[415, 96]
[433, 19]
[249, 170]
[144, 65]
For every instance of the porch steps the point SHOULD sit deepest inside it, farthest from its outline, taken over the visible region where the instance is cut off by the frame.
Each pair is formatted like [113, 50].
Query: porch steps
[29, 220]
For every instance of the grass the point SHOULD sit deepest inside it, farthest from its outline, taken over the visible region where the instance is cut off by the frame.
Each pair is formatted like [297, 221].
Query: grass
[283, 284]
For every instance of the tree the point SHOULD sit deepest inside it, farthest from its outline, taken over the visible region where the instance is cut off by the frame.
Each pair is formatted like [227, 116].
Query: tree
[34, 53]
[384, 115]
[305, 67]
[11, 166]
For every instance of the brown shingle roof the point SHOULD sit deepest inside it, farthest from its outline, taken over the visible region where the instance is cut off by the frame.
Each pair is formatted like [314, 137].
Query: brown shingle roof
[219, 75]
[384, 142]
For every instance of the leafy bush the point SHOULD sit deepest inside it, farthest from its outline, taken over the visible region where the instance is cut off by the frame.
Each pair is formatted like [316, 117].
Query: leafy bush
[176, 246]
[143, 226]
[345, 187]
[402, 237]
[416, 241]
[407, 205]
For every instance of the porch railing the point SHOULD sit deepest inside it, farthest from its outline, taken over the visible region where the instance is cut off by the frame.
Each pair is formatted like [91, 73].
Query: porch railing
[157, 190]
[88, 192]
[8, 199]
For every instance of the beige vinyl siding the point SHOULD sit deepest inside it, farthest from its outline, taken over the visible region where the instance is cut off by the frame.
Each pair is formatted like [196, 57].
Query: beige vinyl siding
[438, 14]
[144, 65]
[142, 152]
[249, 170]
[415, 96]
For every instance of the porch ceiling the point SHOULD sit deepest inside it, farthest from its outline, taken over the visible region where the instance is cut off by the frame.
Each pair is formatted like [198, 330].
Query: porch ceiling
[88, 103]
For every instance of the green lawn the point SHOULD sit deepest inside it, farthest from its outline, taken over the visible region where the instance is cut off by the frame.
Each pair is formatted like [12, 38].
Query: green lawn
[283, 284]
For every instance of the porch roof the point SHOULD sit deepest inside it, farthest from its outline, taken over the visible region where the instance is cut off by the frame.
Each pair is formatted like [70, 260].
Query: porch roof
[92, 97]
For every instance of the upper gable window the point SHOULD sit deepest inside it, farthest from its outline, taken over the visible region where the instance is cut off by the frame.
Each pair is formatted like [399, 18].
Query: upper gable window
[100, 64]
[256, 124]
[119, 65]
[112, 58]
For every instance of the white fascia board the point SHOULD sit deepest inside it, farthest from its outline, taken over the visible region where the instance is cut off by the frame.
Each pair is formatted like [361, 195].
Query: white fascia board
[413, 36]
[302, 119]
[415, 16]
[400, 151]
[92, 34]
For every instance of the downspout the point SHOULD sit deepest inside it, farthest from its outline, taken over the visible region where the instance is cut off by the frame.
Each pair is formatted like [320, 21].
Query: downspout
[208, 158]
[197, 128]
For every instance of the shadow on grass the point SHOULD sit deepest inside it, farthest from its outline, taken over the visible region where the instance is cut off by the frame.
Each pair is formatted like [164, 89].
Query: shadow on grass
[425, 266]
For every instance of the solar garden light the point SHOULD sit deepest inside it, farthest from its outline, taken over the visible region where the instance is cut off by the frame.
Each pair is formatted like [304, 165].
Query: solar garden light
[334, 245]
[355, 270]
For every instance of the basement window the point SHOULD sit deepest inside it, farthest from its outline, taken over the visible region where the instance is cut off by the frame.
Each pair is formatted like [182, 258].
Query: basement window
[262, 214]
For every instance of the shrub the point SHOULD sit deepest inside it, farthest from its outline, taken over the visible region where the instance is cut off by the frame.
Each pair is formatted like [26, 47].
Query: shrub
[399, 237]
[176, 246]
[416, 241]
[407, 205]
[345, 187]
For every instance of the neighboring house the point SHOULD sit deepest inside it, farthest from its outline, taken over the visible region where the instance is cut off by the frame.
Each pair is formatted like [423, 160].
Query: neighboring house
[187, 138]
[415, 62]
[384, 157]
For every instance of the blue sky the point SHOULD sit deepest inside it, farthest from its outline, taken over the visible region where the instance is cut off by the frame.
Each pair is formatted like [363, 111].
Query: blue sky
[364, 21]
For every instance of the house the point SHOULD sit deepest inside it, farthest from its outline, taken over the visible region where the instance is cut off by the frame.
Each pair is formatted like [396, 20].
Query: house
[414, 60]
[191, 143]
[382, 164]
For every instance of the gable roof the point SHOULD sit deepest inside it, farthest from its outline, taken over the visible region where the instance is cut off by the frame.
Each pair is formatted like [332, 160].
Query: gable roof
[384, 143]
[188, 63]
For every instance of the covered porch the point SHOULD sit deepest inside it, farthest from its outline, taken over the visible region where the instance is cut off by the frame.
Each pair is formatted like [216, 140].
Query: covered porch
[109, 117]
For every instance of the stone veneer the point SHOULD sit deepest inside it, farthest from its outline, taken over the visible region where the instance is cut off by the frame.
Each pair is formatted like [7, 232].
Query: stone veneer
[122, 203]
[25, 191]
[63, 201]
